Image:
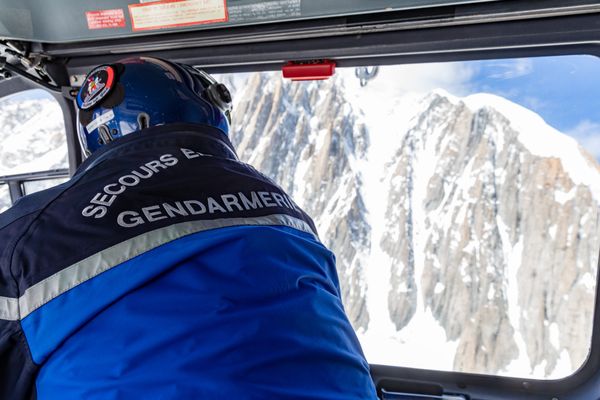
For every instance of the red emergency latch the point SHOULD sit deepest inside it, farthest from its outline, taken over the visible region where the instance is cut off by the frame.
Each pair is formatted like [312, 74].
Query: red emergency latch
[317, 70]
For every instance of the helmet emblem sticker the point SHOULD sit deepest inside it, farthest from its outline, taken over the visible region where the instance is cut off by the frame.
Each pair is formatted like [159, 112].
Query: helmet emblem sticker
[98, 84]
[94, 85]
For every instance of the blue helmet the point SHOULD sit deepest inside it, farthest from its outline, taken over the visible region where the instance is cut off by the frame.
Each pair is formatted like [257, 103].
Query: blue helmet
[136, 93]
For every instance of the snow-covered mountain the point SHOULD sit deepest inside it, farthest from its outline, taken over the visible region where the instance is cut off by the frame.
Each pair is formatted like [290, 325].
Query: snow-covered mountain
[465, 229]
[32, 139]
[31, 136]
[492, 225]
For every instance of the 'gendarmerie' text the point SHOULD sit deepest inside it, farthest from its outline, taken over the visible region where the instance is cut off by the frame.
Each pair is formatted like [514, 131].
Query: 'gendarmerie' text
[224, 204]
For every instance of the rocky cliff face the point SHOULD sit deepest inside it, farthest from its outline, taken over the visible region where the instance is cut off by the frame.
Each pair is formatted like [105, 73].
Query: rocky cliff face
[507, 241]
[306, 137]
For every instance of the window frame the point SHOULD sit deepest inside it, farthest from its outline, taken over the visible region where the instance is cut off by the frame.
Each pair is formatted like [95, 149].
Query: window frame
[16, 182]
[412, 37]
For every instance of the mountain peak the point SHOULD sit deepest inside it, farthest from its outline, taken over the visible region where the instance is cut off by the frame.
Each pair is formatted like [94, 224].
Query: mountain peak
[537, 136]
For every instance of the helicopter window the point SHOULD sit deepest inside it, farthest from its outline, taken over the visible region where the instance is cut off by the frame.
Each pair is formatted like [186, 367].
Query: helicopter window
[32, 139]
[461, 201]
[36, 186]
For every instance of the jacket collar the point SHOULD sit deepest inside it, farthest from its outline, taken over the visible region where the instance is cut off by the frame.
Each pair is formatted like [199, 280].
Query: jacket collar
[202, 138]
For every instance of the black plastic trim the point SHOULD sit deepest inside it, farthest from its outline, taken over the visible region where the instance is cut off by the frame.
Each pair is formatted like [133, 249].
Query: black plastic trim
[354, 41]
[15, 85]
[70, 118]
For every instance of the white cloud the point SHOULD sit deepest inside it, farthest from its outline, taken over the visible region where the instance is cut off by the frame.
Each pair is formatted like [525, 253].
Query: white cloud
[587, 133]
[395, 80]
[510, 69]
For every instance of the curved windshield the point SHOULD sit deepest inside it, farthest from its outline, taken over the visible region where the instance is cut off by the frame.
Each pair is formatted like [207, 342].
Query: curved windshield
[461, 201]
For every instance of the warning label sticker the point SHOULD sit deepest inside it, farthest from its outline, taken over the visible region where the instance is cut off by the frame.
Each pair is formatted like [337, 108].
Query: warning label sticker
[266, 10]
[104, 19]
[175, 13]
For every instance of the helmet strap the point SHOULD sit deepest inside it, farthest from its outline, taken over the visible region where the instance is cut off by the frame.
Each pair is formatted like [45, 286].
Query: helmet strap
[104, 134]
[143, 120]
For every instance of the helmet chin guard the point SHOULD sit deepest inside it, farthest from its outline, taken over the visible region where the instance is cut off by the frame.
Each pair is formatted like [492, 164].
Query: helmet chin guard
[136, 93]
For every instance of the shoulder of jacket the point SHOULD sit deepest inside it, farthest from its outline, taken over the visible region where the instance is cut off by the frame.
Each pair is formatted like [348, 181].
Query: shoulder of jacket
[27, 205]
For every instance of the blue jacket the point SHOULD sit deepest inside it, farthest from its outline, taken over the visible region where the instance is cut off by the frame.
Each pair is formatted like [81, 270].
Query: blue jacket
[167, 269]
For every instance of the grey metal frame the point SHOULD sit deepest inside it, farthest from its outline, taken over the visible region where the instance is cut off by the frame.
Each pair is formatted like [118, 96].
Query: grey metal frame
[16, 182]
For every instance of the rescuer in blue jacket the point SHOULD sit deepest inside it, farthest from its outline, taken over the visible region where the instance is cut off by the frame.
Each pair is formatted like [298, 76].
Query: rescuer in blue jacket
[166, 268]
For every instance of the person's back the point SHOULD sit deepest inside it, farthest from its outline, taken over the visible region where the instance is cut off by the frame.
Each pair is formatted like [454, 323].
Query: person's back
[168, 269]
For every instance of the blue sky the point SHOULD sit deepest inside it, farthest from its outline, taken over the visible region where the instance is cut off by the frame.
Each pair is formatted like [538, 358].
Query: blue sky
[564, 90]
